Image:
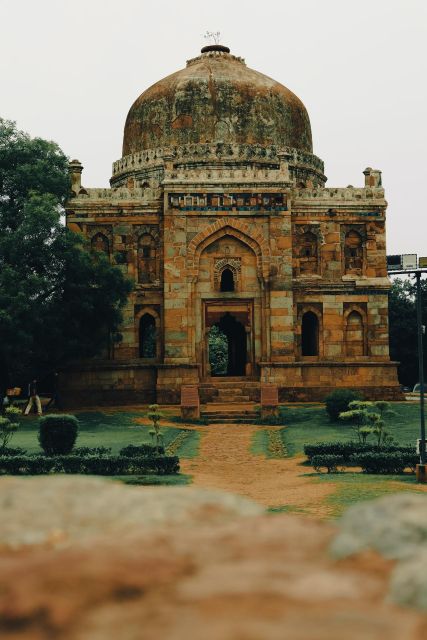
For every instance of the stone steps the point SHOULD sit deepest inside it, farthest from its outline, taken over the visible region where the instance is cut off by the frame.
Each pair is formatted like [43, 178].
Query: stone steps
[230, 391]
[220, 414]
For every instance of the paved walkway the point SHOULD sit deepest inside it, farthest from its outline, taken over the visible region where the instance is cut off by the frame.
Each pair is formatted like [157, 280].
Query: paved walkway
[226, 462]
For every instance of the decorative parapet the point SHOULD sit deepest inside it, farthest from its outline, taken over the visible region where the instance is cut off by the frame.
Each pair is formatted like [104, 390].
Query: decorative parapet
[216, 155]
[145, 196]
[345, 193]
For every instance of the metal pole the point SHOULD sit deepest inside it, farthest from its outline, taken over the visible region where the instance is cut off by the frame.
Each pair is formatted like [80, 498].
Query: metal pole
[421, 370]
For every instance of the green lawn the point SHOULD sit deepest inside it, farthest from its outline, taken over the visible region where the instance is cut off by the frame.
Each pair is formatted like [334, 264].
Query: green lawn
[115, 429]
[310, 423]
[357, 487]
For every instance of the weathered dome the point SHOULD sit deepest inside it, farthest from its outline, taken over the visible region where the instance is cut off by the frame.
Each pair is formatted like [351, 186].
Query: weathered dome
[217, 98]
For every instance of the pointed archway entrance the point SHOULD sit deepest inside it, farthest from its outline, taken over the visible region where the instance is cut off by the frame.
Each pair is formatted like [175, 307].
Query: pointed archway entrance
[227, 347]
[228, 338]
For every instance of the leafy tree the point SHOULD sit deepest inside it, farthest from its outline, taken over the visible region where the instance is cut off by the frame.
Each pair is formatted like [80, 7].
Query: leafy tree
[369, 418]
[218, 351]
[57, 303]
[403, 328]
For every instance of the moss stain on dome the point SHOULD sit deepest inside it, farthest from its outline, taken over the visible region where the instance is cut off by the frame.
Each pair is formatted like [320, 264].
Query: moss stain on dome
[217, 98]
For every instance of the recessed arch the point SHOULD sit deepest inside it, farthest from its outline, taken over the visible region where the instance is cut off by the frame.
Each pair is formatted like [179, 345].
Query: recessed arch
[309, 334]
[148, 331]
[227, 282]
[355, 342]
[241, 232]
[99, 242]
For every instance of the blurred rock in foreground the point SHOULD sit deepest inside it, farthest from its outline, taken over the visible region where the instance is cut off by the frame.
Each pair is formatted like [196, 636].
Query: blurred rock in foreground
[88, 559]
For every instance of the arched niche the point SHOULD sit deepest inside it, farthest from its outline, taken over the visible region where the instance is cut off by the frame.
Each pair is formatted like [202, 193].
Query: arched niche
[353, 253]
[308, 253]
[99, 243]
[354, 335]
[309, 334]
[148, 336]
[227, 282]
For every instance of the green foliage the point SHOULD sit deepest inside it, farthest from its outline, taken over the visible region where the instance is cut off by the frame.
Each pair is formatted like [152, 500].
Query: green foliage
[394, 462]
[327, 461]
[58, 433]
[12, 412]
[379, 461]
[91, 451]
[132, 451]
[7, 429]
[347, 449]
[403, 328]
[155, 416]
[338, 401]
[93, 465]
[13, 451]
[367, 422]
[218, 351]
[56, 302]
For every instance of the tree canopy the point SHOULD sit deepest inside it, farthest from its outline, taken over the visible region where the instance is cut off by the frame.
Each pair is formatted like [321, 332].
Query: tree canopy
[58, 302]
[403, 328]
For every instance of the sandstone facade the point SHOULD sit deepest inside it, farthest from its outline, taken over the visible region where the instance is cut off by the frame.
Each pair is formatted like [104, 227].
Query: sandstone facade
[218, 211]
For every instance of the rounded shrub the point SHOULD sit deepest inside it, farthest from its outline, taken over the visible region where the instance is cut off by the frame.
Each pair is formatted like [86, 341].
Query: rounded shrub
[58, 433]
[337, 402]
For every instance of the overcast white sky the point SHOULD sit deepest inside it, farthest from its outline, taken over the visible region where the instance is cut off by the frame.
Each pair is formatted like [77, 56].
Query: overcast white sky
[70, 69]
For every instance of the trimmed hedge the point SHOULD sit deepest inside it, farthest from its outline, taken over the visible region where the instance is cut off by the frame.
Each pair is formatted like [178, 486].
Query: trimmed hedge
[93, 465]
[393, 462]
[390, 462]
[141, 451]
[13, 451]
[58, 433]
[91, 451]
[330, 462]
[348, 449]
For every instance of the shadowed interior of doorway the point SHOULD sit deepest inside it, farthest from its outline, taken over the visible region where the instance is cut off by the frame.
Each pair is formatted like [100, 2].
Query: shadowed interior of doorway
[227, 347]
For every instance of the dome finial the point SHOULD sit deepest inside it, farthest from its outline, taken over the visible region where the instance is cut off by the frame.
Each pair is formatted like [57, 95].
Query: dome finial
[214, 45]
[212, 36]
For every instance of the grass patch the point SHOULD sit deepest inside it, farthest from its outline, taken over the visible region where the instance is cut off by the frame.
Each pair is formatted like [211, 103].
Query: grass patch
[259, 444]
[97, 428]
[351, 488]
[269, 443]
[308, 424]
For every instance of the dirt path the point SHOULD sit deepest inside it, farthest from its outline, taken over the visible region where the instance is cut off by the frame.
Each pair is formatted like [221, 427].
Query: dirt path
[226, 462]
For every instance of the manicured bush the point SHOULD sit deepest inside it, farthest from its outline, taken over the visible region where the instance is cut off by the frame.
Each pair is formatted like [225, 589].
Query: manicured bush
[337, 402]
[392, 462]
[329, 462]
[95, 465]
[91, 451]
[13, 451]
[347, 449]
[133, 451]
[58, 433]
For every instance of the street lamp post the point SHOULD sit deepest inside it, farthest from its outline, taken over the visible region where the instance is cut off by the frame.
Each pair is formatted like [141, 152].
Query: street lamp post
[421, 468]
[421, 370]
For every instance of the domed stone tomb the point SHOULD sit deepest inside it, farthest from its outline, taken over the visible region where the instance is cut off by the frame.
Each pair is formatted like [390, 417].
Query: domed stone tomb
[247, 269]
[217, 98]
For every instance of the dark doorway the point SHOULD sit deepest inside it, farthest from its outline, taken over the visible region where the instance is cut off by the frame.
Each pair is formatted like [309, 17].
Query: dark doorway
[147, 336]
[227, 280]
[310, 334]
[235, 333]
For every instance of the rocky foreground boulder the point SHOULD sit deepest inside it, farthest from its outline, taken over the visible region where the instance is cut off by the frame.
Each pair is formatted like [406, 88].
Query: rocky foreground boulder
[88, 559]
